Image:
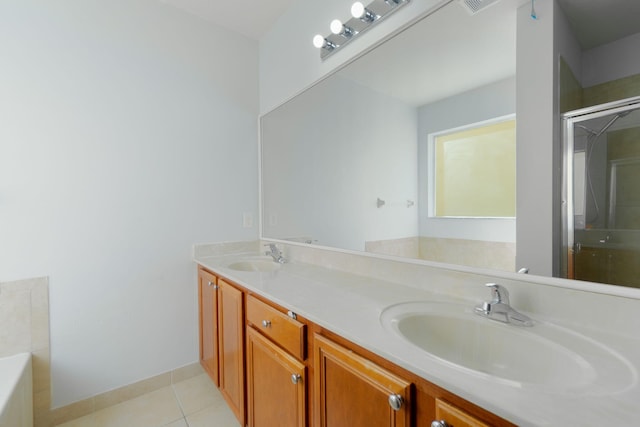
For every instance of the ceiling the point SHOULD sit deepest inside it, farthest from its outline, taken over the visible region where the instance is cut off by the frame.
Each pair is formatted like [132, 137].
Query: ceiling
[452, 51]
[594, 22]
[445, 54]
[251, 18]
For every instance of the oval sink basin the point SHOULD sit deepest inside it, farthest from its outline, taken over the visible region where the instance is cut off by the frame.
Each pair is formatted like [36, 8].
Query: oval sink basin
[258, 265]
[543, 356]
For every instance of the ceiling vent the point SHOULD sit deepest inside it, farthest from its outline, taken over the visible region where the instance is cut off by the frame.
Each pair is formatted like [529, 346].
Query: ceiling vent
[475, 6]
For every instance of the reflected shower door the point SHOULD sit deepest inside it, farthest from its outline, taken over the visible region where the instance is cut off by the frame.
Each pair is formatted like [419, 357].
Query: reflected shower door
[601, 194]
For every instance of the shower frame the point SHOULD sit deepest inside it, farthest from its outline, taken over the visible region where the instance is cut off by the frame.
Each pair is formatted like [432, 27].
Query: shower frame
[569, 119]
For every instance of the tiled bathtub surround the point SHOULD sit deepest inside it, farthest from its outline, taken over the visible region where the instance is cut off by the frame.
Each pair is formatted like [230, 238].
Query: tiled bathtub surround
[24, 327]
[474, 253]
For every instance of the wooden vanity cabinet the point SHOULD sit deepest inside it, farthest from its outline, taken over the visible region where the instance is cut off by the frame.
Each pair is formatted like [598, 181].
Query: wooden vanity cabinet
[352, 391]
[222, 338]
[231, 346]
[352, 387]
[276, 372]
[276, 385]
[208, 319]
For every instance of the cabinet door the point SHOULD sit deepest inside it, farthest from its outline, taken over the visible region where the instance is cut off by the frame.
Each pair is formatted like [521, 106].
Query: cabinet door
[208, 308]
[276, 385]
[351, 391]
[231, 345]
[450, 415]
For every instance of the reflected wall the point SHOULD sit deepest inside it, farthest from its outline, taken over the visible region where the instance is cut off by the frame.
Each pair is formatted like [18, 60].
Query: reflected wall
[328, 156]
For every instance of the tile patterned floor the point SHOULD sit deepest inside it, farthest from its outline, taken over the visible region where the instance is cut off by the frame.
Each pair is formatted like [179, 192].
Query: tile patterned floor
[195, 402]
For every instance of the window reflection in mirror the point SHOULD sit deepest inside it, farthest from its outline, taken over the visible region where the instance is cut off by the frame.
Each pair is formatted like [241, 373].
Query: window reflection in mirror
[474, 170]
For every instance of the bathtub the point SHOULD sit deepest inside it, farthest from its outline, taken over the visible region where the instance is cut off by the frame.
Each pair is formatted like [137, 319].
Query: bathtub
[16, 399]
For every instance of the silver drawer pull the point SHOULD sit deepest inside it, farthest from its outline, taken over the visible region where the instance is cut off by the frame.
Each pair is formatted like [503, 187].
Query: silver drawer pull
[296, 378]
[395, 401]
[441, 423]
[266, 323]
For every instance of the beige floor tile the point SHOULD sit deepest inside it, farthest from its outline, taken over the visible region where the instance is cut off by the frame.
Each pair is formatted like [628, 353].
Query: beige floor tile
[213, 416]
[179, 423]
[197, 393]
[154, 409]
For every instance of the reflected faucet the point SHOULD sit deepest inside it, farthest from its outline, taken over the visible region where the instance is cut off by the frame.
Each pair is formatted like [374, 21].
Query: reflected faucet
[275, 253]
[499, 309]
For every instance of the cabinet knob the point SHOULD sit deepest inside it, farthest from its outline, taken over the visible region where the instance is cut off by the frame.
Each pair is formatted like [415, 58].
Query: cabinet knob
[441, 423]
[296, 378]
[210, 283]
[395, 401]
[266, 323]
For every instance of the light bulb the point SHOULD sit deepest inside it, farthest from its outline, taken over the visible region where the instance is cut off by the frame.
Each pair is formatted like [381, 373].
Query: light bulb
[360, 12]
[319, 41]
[336, 26]
[357, 10]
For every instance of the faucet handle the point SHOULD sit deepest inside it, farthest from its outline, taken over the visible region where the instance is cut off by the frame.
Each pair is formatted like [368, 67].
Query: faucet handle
[499, 293]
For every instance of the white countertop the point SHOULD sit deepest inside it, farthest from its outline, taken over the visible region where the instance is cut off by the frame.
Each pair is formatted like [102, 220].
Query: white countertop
[350, 305]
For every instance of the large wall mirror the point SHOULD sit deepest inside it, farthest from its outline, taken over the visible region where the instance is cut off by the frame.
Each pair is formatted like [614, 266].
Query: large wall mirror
[351, 162]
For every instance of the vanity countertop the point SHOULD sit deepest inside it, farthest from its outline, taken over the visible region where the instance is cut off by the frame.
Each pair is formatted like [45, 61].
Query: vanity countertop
[350, 305]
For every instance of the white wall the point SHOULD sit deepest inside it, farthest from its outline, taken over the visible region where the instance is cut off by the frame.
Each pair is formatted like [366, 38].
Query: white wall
[611, 61]
[288, 61]
[128, 134]
[536, 109]
[484, 103]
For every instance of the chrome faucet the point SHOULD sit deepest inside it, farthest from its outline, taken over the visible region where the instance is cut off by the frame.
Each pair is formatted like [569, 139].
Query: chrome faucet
[275, 253]
[499, 309]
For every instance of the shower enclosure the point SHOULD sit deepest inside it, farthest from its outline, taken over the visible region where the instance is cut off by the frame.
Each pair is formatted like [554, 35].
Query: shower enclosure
[601, 193]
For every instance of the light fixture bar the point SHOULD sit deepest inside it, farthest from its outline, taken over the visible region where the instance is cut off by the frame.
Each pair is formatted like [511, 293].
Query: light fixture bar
[363, 18]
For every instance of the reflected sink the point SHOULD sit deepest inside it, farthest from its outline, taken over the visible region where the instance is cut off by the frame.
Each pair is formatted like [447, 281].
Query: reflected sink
[261, 265]
[544, 356]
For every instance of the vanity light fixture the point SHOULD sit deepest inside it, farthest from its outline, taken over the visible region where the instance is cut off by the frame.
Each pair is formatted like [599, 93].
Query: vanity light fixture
[362, 13]
[321, 42]
[338, 28]
[363, 17]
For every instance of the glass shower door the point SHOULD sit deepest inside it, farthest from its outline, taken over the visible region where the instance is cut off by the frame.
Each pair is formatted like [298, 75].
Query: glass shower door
[601, 193]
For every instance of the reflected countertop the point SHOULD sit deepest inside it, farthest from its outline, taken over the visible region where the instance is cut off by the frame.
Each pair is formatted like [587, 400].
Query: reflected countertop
[350, 305]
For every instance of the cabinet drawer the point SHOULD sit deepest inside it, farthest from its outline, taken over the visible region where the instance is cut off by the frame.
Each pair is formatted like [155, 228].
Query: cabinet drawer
[454, 416]
[285, 331]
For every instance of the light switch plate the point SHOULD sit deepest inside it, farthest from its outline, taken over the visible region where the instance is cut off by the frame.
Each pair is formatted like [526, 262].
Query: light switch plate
[247, 220]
